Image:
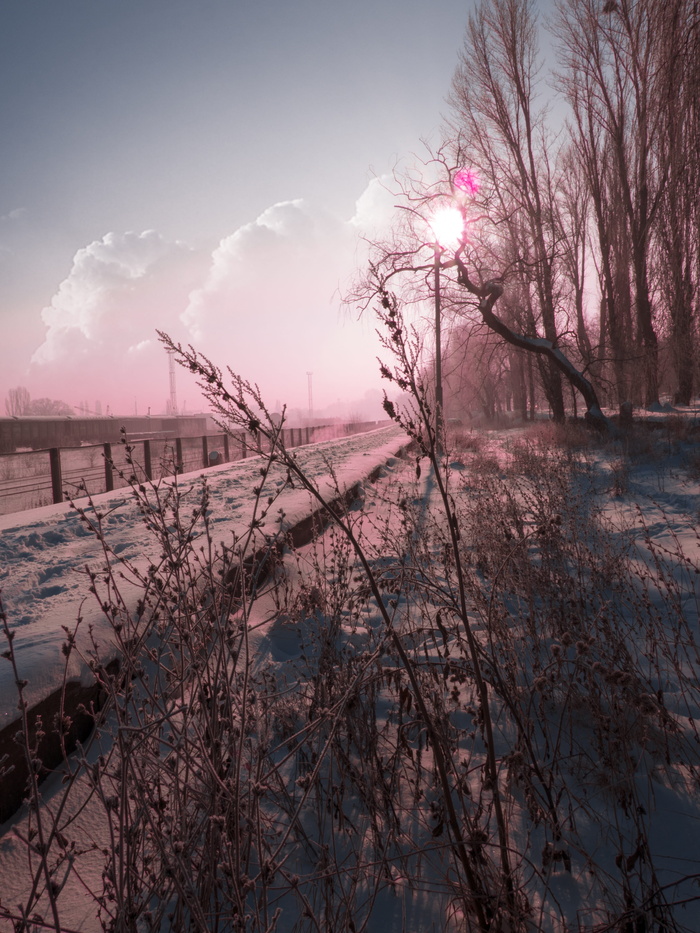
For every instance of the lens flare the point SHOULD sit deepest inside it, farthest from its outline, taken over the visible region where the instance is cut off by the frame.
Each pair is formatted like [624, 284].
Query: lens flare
[448, 226]
[467, 180]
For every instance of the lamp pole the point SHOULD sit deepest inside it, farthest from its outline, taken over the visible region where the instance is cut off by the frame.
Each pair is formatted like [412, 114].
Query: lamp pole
[447, 226]
[438, 354]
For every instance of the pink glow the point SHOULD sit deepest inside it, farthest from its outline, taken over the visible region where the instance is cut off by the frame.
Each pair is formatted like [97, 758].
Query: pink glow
[467, 180]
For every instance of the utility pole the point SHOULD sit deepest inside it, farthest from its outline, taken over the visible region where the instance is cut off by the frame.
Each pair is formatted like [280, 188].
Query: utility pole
[173, 392]
[311, 396]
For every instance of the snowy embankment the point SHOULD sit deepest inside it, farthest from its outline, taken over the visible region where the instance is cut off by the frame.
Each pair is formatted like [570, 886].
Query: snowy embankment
[348, 713]
[43, 554]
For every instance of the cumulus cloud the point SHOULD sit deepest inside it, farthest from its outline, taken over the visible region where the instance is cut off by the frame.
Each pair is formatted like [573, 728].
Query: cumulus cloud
[289, 250]
[96, 299]
[270, 306]
[375, 209]
[119, 290]
[266, 302]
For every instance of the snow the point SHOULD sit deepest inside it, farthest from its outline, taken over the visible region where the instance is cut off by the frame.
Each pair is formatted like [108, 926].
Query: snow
[646, 498]
[43, 553]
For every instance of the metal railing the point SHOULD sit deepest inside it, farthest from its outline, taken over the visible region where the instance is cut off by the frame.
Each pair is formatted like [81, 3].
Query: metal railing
[34, 478]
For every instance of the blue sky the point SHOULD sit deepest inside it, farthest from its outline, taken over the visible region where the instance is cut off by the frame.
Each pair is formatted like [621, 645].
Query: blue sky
[195, 166]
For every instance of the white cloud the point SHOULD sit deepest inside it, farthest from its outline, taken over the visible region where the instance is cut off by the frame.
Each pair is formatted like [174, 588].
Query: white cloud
[290, 254]
[140, 347]
[271, 306]
[15, 214]
[104, 299]
[100, 325]
[266, 301]
[375, 209]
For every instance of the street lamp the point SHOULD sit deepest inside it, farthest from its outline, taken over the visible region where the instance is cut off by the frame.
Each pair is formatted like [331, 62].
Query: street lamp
[447, 226]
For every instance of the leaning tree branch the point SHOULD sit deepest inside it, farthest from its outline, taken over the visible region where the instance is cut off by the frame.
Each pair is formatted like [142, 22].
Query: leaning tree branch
[488, 294]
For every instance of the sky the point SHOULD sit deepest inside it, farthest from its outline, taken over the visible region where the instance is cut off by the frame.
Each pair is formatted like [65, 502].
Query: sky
[208, 169]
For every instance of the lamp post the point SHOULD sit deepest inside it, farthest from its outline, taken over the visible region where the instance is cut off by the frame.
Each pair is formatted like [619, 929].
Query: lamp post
[438, 352]
[447, 225]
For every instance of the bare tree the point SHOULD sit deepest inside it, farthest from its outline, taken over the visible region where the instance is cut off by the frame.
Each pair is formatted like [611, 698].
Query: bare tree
[572, 223]
[476, 372]
[677, 242]
[17, 402]
[470, 285]
[552, 211]
[618, 92]
[592, 154]
[49, 406]
[502, 129]
[488, 294]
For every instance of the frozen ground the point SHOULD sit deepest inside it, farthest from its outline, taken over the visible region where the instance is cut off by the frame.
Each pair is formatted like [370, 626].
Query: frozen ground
[617, 640]
[43, 553]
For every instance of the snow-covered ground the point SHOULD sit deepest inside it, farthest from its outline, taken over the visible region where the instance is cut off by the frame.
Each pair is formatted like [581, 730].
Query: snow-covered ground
[602, 663]
[44, 552]
[44, 587]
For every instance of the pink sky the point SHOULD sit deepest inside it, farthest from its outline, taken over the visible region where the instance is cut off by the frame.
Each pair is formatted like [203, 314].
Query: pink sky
[198, 168]
[265, 301]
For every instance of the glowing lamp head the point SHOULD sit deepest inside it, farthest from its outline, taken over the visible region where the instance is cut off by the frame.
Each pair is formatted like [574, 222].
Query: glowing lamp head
[448, 227]
[467, 180]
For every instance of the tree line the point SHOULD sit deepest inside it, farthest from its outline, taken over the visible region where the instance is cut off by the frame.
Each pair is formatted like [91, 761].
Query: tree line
[19, 402]
[578, 267]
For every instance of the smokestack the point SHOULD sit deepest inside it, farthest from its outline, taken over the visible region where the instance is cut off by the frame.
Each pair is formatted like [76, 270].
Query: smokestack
[173, 392]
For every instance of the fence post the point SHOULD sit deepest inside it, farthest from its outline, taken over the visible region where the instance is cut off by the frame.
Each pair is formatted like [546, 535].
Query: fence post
[205, 451]
[56, 480]
[226, 451]
[307, 435]
[244, 446]
[109, 472]
[147, 460]
[179, 465]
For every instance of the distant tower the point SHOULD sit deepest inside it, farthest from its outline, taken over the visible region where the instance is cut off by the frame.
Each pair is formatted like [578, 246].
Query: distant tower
[172, 405]
[311, 395]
